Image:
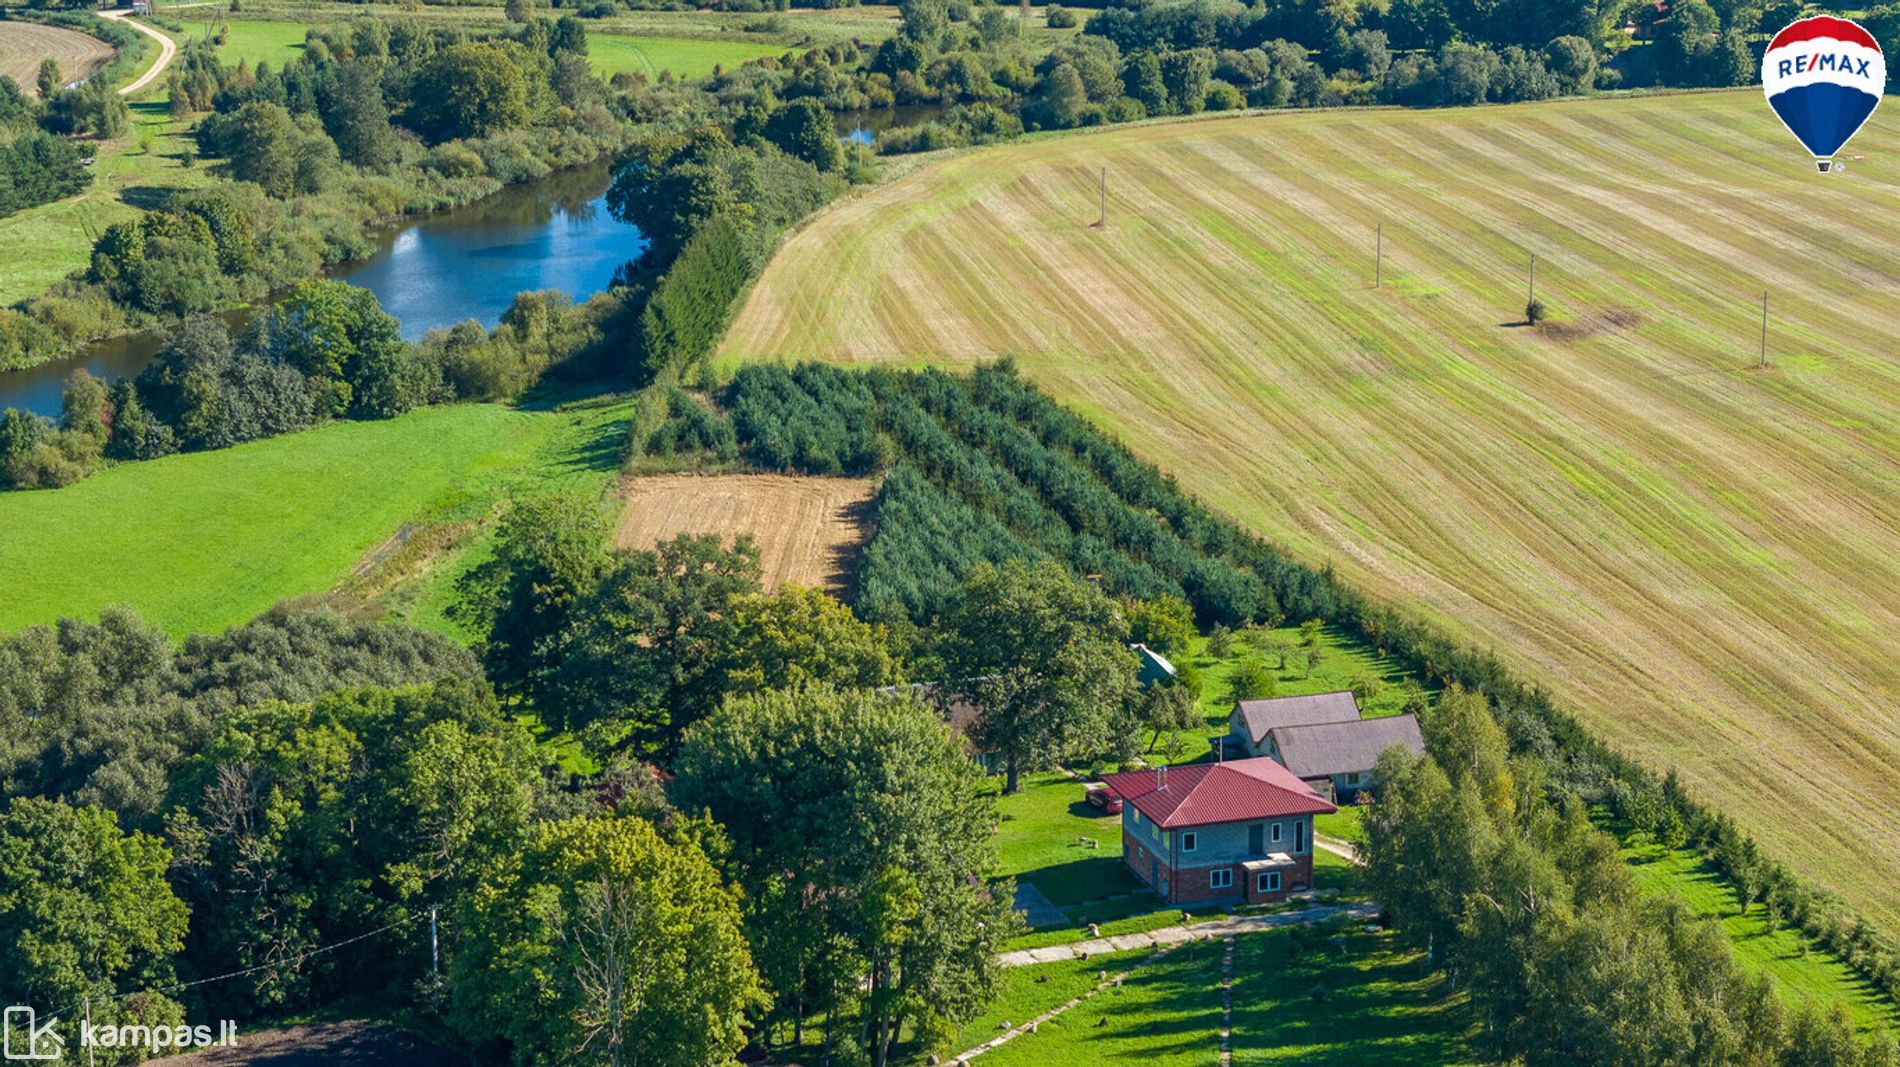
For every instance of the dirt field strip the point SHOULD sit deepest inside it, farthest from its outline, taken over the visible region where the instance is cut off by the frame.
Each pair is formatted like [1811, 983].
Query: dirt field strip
[1698, 557]
[23, 45]
[808, 529]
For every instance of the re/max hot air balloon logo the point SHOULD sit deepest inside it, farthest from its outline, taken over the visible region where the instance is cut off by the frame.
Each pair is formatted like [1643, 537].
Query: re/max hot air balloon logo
[1823, 76]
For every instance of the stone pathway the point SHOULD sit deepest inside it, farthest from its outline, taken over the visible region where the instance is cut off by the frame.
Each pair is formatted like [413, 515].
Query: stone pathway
[1173, 935]
[1036, 908]
[1345, 850]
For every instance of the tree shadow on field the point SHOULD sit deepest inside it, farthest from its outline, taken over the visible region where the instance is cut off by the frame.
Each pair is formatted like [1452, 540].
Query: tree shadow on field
[1169, 1007]
[1101, 875]
[599, 449]
[842, 559]
[146, 197]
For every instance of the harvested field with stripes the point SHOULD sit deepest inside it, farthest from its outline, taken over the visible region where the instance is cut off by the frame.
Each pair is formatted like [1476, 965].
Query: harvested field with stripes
[24, 45]
[1700, 557]
[808, 529]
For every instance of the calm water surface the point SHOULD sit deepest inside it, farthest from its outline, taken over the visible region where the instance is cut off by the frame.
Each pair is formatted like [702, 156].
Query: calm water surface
[433, 271]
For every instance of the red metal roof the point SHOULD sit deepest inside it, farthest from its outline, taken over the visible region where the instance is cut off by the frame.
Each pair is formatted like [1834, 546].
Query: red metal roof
[1202, 793]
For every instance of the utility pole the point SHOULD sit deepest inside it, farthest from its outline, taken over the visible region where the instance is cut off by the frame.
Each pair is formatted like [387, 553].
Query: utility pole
[1378, 255]
[1764, 329]
[1102, 223]
[89, 1031]
[1532, 298]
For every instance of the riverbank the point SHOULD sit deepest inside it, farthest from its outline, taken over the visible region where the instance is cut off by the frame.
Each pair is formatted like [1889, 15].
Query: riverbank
[552, 233]
[341, 225]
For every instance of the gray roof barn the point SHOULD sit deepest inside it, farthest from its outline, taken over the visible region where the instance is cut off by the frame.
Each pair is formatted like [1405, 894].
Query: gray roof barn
[1273, 713]
[1322, 749]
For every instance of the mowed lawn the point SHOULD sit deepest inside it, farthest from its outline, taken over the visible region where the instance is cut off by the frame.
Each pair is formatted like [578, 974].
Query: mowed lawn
[1697, 556]
[198, 542]
[1380, 1006]
[613, 53]
[261, 41]
[1801, 972]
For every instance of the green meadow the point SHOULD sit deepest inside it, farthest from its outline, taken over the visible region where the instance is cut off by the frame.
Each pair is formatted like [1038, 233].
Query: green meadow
[198, 542]
[1800, 971]
[262, 41]
[131, 173]
[611, 54]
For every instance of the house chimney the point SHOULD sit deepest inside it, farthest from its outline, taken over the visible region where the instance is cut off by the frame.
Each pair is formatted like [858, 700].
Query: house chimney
[1161, 778]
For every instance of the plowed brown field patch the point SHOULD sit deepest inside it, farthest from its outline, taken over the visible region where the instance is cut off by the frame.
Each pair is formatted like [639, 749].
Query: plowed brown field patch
[23, 45]
[808, 529]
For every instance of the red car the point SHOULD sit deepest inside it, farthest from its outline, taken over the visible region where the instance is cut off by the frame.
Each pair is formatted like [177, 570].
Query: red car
[1104, 797]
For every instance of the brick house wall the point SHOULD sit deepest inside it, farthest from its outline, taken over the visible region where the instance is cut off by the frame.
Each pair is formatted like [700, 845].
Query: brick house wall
[1158, 857]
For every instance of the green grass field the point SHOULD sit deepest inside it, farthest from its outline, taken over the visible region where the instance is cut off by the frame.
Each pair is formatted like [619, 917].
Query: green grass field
[1381, 1007]
[199, 542]
[1696, 556]
[1038, 840]
[130, 174]
[610, 54]
[1029, 991]
[803, 27]
[1800, 972]
[261, 41]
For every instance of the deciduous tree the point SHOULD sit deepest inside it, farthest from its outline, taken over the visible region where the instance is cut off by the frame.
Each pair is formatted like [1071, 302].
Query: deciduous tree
[602, 942]
[1045, 659]
[862, 835]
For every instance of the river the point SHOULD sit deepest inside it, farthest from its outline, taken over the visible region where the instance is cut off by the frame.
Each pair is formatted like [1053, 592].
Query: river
[429, 271]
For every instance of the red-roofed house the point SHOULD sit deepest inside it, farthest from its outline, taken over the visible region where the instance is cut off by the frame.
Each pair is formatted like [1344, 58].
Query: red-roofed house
[1240, 830]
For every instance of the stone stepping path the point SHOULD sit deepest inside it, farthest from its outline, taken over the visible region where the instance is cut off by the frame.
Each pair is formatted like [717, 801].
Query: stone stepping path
[1175, 935]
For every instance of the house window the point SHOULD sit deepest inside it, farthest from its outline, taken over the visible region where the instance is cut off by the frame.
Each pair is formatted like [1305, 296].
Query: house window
[1299, 835]
[1134, 815]
[1188, 840]
[1167, 839]
[1220, 878]
[1353, 778]
[1268, 882]
[1276, 833]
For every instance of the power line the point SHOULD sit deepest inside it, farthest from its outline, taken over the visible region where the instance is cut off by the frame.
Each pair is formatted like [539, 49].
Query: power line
[293, 961]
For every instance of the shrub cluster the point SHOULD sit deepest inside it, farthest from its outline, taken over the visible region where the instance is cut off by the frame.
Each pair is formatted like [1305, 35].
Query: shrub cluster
[38, 168]
[328, 350]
